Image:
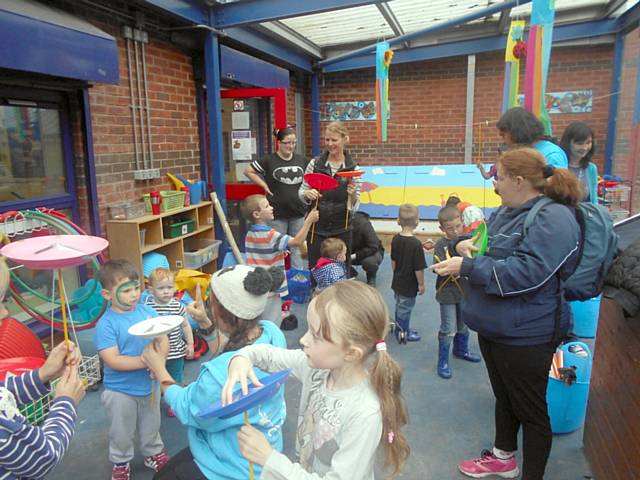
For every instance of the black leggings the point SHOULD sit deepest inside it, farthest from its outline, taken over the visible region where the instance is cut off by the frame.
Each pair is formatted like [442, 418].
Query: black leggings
[180, 467]
[519, 376]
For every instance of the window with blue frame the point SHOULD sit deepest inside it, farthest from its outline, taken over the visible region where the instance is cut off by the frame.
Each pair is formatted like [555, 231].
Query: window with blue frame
[32, 163]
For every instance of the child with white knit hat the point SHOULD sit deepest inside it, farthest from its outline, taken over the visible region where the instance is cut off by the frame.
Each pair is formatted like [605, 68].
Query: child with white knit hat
[238, 296]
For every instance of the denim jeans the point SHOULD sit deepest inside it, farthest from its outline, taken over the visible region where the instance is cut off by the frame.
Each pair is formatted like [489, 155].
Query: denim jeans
[404, 306]
[450, 323]
[290, 226]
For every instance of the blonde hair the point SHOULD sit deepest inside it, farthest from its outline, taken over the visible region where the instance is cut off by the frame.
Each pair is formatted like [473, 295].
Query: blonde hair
[4, 278]
[331, 247]
[251, 204]
[337, 127]
[559, 184]
[408, 215]
[358, 314]
[159, 274]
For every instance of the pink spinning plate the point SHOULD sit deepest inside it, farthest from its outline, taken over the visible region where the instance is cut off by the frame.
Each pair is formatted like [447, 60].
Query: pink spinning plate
[54, 251]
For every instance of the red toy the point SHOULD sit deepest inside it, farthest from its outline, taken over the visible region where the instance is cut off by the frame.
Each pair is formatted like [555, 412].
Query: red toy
[321, 182]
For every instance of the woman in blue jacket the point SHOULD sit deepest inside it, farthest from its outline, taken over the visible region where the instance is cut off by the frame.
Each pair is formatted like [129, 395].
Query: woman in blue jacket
[515, 303]
[579, 144]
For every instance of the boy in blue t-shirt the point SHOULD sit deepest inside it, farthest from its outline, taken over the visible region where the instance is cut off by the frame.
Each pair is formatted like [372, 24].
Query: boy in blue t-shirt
[127, 395]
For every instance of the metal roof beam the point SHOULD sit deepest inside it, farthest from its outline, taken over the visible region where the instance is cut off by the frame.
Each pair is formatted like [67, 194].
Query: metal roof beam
[471, 46]
[629, 19]
[264, 44]
[481, 13]
[234, 14]
[190, 10]
[287, 34]
[391, 20]
[503, 22]
[612, 7]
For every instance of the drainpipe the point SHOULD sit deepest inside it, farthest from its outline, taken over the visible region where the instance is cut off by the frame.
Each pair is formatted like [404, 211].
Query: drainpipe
[140, 108]
[127, 35]
[146, 101]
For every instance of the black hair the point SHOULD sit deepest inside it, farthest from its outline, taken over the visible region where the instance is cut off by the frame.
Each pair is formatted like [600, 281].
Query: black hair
[282, 133]
[523, 126]
[113, 270]
[578, 132]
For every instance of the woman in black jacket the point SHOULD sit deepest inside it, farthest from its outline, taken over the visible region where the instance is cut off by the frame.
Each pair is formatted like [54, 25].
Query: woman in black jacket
[333, 203]
[515, 302]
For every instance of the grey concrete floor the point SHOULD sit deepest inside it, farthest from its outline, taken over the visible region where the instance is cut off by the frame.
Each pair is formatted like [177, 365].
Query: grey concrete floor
[450, 420]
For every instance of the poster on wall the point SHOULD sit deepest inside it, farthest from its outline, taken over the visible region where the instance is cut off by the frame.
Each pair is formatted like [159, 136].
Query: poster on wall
[240, 120]
[579, 101]
[241, 144]
[348, 111]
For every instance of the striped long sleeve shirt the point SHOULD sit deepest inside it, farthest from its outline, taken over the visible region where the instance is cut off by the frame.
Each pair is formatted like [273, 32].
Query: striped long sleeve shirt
[27, 451]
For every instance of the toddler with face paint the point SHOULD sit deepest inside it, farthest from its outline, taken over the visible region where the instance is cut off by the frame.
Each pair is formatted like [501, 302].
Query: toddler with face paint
[127, 395]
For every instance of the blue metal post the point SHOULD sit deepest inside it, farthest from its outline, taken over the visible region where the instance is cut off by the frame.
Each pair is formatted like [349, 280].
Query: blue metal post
[214, 113]
[618, 50]
[315, 115]
[90, 165]
[205, 172]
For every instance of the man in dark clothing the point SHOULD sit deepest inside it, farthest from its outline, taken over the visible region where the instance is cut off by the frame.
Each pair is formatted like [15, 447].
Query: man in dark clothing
[366, 247]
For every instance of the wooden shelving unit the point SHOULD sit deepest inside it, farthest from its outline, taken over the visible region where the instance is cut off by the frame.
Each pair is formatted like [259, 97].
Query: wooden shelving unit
[127, 241]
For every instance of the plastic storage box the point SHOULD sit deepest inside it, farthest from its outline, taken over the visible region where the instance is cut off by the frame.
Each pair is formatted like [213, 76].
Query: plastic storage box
[567, 403]
[171, 200]
[126, 210]
[200, 251]
[585, 317]
[178, 228]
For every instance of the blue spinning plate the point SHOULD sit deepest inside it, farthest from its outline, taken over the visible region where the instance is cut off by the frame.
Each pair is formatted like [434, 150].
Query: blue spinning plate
[254, 397]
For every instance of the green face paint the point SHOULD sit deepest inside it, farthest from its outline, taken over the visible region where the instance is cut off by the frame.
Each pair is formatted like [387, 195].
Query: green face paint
[123, 293]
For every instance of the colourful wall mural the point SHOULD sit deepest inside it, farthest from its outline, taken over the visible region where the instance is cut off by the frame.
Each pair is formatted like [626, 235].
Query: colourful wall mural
[384, 188]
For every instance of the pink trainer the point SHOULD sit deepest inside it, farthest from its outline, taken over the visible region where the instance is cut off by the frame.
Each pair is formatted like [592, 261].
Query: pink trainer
[489, 464]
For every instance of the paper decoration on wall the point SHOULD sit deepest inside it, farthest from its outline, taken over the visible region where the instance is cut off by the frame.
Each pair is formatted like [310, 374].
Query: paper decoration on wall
[579, 101]
[516, 49]
[384, 54]
[538, 55]
[357, 110]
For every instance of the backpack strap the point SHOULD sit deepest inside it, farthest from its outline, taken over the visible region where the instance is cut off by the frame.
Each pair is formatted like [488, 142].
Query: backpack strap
[539, 205]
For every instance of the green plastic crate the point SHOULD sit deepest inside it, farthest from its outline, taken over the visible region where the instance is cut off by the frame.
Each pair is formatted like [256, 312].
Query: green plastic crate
[177, 229]
[171, 200]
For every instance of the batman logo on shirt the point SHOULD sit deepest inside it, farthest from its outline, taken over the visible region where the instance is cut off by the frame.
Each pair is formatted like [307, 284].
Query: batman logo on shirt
[289, 175]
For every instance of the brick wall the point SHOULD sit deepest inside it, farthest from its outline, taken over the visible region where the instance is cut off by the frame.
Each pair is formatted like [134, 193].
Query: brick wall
[174, 124]
[428, 104]
[624, 164]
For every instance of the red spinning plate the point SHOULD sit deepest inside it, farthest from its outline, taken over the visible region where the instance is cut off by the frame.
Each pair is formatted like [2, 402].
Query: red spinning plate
[54, 251]
[321, 181]
[351, 173]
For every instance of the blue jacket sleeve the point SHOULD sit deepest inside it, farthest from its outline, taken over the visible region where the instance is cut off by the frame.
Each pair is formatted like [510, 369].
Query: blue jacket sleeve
[550, 242]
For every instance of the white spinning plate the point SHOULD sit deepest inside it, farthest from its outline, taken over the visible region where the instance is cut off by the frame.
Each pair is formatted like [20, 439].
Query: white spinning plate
[156, 326]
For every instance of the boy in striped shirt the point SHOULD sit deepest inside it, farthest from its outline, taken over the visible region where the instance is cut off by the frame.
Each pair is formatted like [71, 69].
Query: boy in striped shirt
[27, 451]
[266, 247]
[162, 290]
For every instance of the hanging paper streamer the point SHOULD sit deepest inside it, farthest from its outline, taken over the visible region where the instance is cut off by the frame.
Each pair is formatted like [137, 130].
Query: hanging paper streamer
[538, 56]
[383, 60]
[516, 49]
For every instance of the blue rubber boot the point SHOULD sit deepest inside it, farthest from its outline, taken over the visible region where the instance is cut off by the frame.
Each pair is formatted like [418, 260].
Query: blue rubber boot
[444, 371]
[461, 348]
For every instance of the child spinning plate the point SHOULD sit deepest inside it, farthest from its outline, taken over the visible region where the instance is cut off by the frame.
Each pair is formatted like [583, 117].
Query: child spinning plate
[156, 326]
